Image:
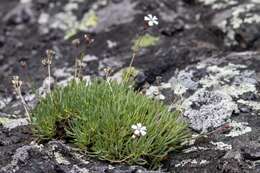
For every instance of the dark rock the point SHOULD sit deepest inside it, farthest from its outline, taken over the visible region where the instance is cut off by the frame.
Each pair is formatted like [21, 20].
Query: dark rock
[245, 109]
[2, 42]
[140, 79]
[22, 13]
[249, 96]
[238, 20]
[170, 31]
[251, 151]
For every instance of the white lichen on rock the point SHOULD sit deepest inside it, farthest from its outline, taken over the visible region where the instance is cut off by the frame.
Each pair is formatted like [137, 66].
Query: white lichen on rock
[154, 92]
[238, 128]
[221, 146]
[183, 82]
[67, 20]
[212, 88]
[95, 19]
[191, 162]
[60, 159]
[253, 104]
[242, 80]
[208, 110]
[232, 15]
[77, 169]
[219, 4]
[13, 123]
[195, 148]
[21, 155]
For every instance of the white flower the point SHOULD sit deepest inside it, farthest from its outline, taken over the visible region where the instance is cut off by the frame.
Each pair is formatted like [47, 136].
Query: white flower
[151, 20]
[139, 130]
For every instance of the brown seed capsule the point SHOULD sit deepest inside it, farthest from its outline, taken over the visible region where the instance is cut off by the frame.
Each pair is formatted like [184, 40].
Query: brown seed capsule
[108, 71]
[23, 64]
[88, 40]
[146, 25]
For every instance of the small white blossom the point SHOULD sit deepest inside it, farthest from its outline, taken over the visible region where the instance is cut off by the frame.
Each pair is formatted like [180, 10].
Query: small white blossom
[151, 20]
[139, 130]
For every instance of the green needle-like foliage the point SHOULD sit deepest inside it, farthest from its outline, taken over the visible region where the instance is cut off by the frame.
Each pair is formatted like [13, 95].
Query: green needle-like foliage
[98, 119]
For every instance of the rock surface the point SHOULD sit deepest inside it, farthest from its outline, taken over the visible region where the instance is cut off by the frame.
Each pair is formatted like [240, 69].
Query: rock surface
[207, 58]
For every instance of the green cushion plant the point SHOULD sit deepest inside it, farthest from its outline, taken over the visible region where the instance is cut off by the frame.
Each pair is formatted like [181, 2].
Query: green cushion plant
[108, 120]
[101, 118]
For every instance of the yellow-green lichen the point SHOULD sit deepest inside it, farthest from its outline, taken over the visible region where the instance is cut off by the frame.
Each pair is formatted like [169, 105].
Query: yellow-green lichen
[144, 41]
[90, 20]
[4, 120]
[70, 33]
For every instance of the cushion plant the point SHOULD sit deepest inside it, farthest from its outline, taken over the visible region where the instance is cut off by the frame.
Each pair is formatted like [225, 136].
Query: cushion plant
[110, 121]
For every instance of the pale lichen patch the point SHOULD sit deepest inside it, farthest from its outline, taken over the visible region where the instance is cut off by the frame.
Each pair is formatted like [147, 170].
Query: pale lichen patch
[234, 16]
[154, 92]
[253, 104]
[238, 128]
[144, 41]
[60, 159]
[221, 145]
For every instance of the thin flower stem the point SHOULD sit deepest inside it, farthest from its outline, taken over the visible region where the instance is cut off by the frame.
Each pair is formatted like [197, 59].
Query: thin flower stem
[135, 53]
[80, 65]
[109, 84]
[24, 104]
[137, 47]
[76, 67]
[49, 74]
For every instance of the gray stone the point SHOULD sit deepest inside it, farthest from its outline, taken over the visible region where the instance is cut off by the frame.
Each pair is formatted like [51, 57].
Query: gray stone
[206, 110]
[251, 151]
[13, 123]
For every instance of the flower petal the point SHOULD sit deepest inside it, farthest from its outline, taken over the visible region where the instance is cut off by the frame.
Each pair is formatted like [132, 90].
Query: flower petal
[156, 22]
[134, 127]
[137, 132]
[146, 18]
[139, 125]
[143, 133]
[150, 23]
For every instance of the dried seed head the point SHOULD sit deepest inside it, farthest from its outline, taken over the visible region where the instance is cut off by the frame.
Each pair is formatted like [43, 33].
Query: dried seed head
[80, 63]
[16, 82]
[88, 40]
[50, 53]
[76, 43]
[46, 61]
[108, 71]
[49, 56]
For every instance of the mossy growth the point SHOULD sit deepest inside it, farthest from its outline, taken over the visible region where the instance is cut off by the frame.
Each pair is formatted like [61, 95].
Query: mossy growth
[144, 41]
[98, 118]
